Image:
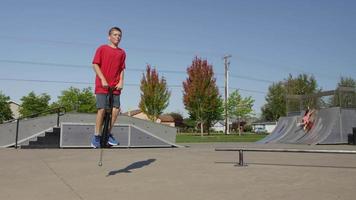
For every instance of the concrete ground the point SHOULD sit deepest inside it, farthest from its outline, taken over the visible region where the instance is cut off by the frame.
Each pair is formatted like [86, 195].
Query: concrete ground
[197, 172]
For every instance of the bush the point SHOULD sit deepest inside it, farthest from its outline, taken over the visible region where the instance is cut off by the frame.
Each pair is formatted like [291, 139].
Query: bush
[248, 128]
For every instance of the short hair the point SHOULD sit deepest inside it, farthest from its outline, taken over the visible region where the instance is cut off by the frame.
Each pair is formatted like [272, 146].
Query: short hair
[115, 29]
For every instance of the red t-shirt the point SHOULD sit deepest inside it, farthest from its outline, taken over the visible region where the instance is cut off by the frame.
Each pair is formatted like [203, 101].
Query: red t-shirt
[111, 62]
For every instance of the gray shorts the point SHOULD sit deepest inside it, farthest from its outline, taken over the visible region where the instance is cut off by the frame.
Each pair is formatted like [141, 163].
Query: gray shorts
[102, 101]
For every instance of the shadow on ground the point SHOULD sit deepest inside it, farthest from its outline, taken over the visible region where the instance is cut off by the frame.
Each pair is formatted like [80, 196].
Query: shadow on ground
[135, 165]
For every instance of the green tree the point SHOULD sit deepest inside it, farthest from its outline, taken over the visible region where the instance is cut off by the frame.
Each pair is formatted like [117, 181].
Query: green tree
[275, 106]
[74, 99]
[239, 107]
[189, 123]
[301, 85]
[154, 94]
[5, 111]
[280, 99]
[33, 104]
[215, 113]
[201, 95]
[344, 98]
[347, 82]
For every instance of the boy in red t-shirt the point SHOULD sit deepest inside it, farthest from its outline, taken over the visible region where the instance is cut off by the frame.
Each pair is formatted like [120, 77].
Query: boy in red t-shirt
[109, 65]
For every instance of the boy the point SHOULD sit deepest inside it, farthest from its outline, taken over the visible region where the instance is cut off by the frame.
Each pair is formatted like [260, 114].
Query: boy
[109, 65]
[307, 122]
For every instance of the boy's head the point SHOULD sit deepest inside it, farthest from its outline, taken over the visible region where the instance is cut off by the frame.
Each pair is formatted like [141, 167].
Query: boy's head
[115, 35]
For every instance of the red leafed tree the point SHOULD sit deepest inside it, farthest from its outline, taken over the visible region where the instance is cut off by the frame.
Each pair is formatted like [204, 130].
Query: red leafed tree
[201, 95]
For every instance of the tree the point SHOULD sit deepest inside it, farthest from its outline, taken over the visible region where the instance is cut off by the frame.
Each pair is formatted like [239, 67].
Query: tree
[275, 106]
[5, 111]
[189, 124]
[201, 95]
[215, 112]
[239, 107]
[345, 98]
[279, 102]
[154, 94]
[32, 104]
[302, 85]
[347, 82]
[75, 100]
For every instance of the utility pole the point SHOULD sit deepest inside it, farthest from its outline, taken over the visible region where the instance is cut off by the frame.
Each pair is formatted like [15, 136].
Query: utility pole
[227, 64]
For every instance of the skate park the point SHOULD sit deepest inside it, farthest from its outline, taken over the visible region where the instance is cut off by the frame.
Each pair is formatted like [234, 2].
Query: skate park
[288, 67]
[197, 172]
[331, 124]
[71, 172]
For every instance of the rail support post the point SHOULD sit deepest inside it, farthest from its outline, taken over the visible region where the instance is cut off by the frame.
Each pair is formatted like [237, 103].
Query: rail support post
[17, 132]
[241, 158]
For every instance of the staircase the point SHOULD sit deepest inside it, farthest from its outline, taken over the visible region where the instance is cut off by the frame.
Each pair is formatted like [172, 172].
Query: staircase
[49, 140]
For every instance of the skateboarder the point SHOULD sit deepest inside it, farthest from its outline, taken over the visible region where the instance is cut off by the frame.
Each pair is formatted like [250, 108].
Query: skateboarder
[109, 66]
[307, 123]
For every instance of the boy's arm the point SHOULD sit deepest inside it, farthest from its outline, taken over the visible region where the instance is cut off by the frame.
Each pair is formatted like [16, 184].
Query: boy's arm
[100, 75]
[120, 85]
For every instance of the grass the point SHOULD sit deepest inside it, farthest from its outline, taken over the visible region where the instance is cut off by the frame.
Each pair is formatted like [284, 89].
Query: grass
[195, 138]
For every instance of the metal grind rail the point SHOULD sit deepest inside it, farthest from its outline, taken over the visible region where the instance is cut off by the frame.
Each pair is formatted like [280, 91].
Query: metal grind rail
[241, 150]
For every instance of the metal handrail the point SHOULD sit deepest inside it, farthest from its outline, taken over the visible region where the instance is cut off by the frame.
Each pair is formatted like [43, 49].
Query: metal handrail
[58, 111]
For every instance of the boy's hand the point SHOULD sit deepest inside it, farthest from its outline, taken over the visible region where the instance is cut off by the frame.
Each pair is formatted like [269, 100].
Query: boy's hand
[118, 86]
[104, 83]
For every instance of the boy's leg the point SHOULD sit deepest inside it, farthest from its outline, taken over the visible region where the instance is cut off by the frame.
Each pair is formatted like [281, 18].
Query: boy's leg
[99, 121]
[306, 126]
[300, 123]
[100, 105]
[115, 112]
[95, 141]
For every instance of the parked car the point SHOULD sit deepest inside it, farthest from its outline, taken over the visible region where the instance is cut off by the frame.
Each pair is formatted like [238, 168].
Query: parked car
[260, 130]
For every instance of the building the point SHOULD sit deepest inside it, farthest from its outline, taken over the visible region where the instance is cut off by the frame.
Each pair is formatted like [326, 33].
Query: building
[219, 126]
[162, 119]
[267, 126]
[15, 107]
[167, 120]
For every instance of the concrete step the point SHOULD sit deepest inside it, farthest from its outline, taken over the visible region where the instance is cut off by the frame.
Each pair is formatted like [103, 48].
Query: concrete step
[49, 140]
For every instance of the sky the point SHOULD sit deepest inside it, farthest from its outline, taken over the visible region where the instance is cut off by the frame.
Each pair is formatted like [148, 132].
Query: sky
[47, 46]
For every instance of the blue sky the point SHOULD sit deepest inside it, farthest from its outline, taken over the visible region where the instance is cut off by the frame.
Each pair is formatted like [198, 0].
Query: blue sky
[51, 40]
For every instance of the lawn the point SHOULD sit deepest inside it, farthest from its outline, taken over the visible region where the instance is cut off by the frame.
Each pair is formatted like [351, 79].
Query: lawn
[195, 138]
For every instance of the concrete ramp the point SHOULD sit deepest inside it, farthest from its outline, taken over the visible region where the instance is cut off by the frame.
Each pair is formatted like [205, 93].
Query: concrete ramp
[326, 124]
[284, 125]
[152, 130]
[331, 126]
[77, 128]
[79, 135]
[343, 127]
[28, 129]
